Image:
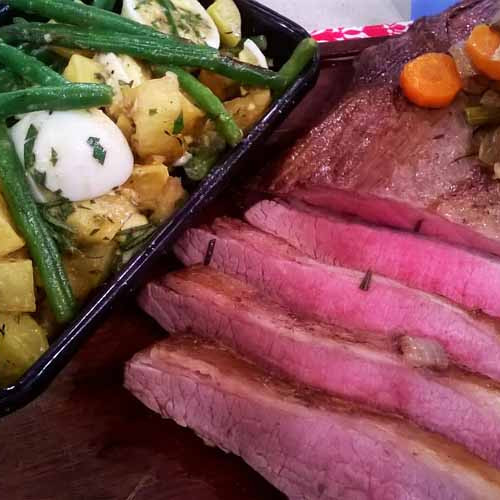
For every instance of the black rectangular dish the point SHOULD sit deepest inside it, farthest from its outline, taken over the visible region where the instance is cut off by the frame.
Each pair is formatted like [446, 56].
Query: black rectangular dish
[283, 36]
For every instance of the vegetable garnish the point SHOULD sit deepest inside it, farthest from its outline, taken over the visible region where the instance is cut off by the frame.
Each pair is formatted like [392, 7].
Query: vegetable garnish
[482, 115]
[72, 96]
[431, 80]
[104, 4]
[10, 81]
[29, 68]
[301, 57]
[152, 49]
[483, 49]
[99, 153]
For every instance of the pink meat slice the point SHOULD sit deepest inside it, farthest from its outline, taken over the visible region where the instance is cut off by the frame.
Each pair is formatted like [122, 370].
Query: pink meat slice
[216, 306]
[468, 278]
[341, 296]
[306, 445]
[380, 157]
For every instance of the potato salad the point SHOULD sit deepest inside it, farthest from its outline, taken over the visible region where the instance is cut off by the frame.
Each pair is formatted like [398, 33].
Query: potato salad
[109, 114]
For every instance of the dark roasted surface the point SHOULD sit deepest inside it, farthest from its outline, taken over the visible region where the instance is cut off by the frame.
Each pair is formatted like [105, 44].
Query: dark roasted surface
[377, 145]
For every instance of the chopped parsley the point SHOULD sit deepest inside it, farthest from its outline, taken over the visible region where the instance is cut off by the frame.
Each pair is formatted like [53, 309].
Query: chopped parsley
[152, 112]
[178, 124]
[39, 177]
[131, 240]
[55, 214]
[99, 153]
[53, 157]
[29, 145]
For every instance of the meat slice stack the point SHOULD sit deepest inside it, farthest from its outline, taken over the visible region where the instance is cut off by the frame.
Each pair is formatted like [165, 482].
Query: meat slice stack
[222, 309]
[332, 341]
[340, 359]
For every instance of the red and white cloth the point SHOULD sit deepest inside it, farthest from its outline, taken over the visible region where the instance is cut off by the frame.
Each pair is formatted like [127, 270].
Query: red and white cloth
[379, 30]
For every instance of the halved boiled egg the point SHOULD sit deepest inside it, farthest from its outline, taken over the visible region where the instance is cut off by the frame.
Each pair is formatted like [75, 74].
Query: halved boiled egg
[79, 154]
[191, 19]
[251, 54]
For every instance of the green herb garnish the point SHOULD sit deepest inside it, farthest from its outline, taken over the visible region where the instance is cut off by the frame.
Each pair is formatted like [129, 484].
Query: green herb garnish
[53, 157]
[99, 153]
[29, 145]
[55, 214]
[131, 240]
[178, 124]
[39, 177]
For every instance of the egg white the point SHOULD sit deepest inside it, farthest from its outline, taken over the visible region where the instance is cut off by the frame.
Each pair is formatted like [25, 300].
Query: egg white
[63, 153]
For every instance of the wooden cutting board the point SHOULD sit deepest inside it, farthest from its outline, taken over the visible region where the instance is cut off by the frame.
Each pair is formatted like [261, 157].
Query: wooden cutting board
[86, 438]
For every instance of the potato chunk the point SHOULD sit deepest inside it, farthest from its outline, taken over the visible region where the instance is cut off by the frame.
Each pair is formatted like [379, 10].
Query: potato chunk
[10, 241]
[99, 220]
[22, 342]
[154, 106]
[224, 88]
[17, 288]
[248, 110]
[193, 117]
[172, 197]
[89, 268]
[147, 183]
[81, 69]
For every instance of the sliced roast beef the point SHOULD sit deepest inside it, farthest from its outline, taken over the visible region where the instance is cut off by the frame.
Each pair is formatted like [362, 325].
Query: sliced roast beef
[390, 162]
[307, 446]
[214, 305]
[469, 278]
[342, 296]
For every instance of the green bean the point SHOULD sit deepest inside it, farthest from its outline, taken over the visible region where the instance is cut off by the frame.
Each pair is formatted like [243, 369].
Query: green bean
[9, 81]
[141, 47]
[28, 220]
[86, 15]
[208, 102]
[46, 55]
[28, 67]
[301, 57]
[104, 4]
[71, 96]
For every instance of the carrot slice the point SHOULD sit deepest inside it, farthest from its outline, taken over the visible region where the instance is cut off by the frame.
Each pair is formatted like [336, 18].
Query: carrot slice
[431, 80]
[482, 47]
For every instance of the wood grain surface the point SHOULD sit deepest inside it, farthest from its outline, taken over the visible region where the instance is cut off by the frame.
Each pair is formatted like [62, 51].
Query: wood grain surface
[86, 438]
